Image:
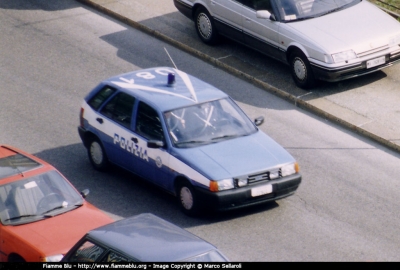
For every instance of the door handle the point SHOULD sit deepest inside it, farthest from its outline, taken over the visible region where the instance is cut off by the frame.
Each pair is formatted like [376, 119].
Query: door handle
[135, 140]
[100, 120]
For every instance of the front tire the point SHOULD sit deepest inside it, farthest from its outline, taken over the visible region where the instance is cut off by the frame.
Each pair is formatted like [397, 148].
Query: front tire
[187, 199]
[205, 27]
[301, 70]
[97, 155]
[14, 258]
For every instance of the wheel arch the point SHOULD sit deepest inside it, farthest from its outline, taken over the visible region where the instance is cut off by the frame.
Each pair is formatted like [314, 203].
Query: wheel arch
[295, 48]
[88, 137]
[179, 180]
[195, 8]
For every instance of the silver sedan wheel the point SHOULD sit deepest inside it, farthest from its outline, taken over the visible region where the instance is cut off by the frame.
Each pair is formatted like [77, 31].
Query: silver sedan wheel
[204, 26]
[300, 69]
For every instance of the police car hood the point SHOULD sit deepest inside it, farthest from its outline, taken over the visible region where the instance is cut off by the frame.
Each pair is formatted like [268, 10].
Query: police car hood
[237, 157]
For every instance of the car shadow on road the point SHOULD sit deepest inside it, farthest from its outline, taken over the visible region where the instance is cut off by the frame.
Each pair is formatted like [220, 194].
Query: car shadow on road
[253, 64]
[122, 194]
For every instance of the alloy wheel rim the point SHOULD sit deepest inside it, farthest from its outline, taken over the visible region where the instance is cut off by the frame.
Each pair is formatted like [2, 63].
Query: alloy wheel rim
[186, 198]
[299, 69]
[204, 26]
[96, 152]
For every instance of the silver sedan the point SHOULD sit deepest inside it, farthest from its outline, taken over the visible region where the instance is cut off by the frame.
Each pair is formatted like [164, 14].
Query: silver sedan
[328, 40]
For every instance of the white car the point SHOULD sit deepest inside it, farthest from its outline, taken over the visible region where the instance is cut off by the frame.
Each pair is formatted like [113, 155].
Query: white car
[328, 40]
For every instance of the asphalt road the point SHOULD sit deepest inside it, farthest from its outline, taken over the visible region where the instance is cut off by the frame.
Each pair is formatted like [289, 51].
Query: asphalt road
[52, 54]
[367, 105]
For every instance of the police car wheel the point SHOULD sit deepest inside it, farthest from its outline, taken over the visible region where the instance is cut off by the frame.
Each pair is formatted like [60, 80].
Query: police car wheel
[205, 27]
[187, 199]
[97, 156]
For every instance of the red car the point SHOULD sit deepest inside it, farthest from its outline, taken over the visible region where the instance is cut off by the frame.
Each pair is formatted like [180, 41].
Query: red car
[42, 215]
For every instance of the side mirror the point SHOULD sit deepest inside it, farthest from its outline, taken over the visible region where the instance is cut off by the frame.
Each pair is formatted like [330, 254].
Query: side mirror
[155, 144]
[85, 192]
[259, 120]
[265, 14]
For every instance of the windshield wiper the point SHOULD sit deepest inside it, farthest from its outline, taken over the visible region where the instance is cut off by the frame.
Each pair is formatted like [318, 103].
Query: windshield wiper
[226, 136]
[302, 18]
[18, 217]
[331, 11]
[55, 208]
[59, 207]
[187, 142]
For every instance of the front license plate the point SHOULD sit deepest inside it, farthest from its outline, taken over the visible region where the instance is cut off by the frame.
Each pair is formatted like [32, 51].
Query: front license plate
[258, 191]
[376, 62]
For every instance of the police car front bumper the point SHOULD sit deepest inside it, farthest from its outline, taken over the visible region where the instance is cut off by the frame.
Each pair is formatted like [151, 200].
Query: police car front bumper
[242, 197]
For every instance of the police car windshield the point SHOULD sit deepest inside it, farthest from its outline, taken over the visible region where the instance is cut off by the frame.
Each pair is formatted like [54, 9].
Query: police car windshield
[206, 123]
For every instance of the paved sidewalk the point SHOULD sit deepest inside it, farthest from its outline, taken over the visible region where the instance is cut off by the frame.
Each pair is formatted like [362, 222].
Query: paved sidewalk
[161, 19]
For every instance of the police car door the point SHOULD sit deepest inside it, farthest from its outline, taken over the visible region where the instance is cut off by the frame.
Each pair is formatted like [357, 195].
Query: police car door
[152, 162]
[114, 123]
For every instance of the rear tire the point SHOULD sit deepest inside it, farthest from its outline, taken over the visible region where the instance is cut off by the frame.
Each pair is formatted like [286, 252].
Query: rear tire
[301, 70]
[205, 27]
[97, 155]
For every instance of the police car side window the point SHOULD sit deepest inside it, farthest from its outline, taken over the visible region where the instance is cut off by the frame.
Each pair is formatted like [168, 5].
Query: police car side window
[148, 123]
[97, 100]
[119, 109]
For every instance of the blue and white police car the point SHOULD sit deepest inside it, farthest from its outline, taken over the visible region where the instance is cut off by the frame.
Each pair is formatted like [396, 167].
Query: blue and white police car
[187, 137]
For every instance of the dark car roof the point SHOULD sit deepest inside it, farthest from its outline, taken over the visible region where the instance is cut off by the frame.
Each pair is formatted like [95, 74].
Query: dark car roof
[147, 237]
[155, 90]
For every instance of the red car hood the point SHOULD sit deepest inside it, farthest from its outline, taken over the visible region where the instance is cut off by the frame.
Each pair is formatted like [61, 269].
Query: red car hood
[56, 235]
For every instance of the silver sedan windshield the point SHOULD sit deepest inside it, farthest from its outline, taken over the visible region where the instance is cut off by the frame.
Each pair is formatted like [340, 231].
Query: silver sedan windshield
[207, 123]
[293, 10]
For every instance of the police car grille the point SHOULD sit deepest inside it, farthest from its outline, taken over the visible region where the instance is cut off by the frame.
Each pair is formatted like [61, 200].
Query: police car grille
[264, 176]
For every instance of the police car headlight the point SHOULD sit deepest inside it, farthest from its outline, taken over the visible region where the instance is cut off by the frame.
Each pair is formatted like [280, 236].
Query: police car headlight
[290, 169]
[54, 258]
[241, 182]
[221, 185]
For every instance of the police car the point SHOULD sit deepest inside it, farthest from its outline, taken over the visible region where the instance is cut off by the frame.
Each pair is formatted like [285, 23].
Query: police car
[187, 137]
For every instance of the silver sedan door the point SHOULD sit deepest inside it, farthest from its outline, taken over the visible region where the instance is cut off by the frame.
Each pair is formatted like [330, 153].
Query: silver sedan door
[228, 18]
[260, 33]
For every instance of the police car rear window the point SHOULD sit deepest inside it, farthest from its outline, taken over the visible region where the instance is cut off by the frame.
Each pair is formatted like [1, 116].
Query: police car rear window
[97, 100]
[16, 164]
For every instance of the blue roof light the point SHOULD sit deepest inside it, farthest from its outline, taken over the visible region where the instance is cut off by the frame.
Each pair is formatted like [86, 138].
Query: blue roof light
[171, 79]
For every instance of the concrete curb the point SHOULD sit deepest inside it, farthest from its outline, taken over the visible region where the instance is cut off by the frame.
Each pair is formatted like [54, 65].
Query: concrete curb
[280, 93]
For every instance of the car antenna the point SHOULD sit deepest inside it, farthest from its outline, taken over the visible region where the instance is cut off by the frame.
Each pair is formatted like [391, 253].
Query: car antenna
[170, 58]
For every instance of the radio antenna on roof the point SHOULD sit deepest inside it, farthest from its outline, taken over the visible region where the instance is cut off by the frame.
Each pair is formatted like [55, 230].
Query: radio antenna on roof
[170, 58]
